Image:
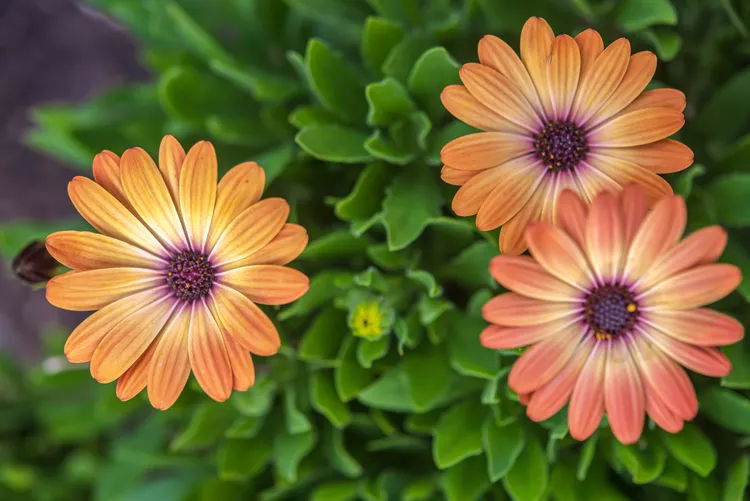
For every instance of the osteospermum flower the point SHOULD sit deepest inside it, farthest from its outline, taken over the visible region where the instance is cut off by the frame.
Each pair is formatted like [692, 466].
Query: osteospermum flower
[611, 304]
[568, 114]
[176, 272]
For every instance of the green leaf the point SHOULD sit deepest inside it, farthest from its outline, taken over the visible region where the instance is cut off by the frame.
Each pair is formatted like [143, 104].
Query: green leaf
[382, 147]
[412, 200]
[289, 449]
[15, 235]
[527, 479]
[409, 332]
[334, 143]
[459, 434]
[471, 267]
[644, 464]
[703, 489]
[379, 37]
[726, 408]
[241, 459]
[503, 445]
[737, 480]
[241, 131]
[263, 85]
[692, 448]
[194, 37]
[635, 15]
[434, 70]
[206, 427]
[430, 310]
[324, 399]
[404, 55]
[296, 421]
[684, 184]
[432, 360]
[323, 287]
[739, 355]
[245, 427]
[588, 452]
[729, 194]
[466, 481]
[367, 195]
[444, 136]
[275, 160]
[666, 42]
[427, 280]
[340, 458]
[563, 485]
[334, 82]
[370, 351]
[674, 476]
[334, 247]
[343, 490]
[420, 489]
[351, 378]
[256, 402]
[726, 114]
[311, 114]
[388, 102]
[389, 392]
[468, 356]
[321, 342]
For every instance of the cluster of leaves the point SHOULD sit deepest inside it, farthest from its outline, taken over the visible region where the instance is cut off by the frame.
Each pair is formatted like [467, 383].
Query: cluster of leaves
[339, 101]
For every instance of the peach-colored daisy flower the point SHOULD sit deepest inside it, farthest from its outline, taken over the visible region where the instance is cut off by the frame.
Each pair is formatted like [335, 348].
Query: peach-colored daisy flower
[568, 114]
[611, 304]
[176, 272]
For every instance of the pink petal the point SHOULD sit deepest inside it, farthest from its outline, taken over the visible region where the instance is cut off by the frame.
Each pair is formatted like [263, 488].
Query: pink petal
[559, 254]
[693, 288]
[659, 411]
[587, 401]
[524, 275]
[513, 309]
[707, 361]
[605, 238]
[571, 215]
[701, 327]
[499, 337]
[624, 398]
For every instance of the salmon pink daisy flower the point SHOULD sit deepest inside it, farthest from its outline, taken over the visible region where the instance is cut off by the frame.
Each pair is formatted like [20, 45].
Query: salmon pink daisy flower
[611, 306]
[176, 271]
[569, 114]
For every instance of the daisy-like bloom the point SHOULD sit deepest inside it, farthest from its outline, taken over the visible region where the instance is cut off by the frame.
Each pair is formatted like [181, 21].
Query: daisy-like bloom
[611, 305]
[568, 114]
[176, 271]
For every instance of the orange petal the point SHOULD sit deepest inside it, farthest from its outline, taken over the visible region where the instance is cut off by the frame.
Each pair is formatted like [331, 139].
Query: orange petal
[482, 150]
[462, 105]
[208, 354]
[148, 193]
[283, 249]
[659, 411]
[267, 284]
[696, 287]
[514, 309]
[634, 208]
[134, 380]
[624, 173]
[198, 180]
[251, 230]
[524, 275]
[170, 367]
[701, 247]
[591, 45]
[243, 371]
[240, 188]
[701, 327]
[601, 81]
[456, 177]
[668, 380]
[498, 55]
[587, 400]
[543, 361]
[662, 157]
[498, 337]
[245, 321]
[592, 181]
[171, 157]
[559, 254]
[703, 360]
[500, 95]
[514, 188]
[657, 98]
[550, 398]
[624, 398]
[129, 339]
[563, 71]
[82, 250]
[636, 128]
[572, 214]
[536, 45]
[106, 214]
[639, 73]
[513, 233]
[106, 169]
[95, 289]
[605, 237]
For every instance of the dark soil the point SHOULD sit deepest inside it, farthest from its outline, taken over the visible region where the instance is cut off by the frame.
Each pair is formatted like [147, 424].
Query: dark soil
[50, 51]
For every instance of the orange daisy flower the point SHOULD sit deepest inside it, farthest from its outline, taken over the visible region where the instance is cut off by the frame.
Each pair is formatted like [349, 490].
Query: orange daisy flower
[612, 305]
[568, 114]
[176, 272]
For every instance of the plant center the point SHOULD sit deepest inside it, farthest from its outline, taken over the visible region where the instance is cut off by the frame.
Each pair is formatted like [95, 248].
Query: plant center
[190, 276]
[560, 145]
[610, 311]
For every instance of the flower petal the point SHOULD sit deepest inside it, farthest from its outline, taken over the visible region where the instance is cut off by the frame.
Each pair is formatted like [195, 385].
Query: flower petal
[208, 354]
[536, 45]
[591, 45]
[601, 81]
[498, 55]
[559, 254]
[83, 250]
[462, 105]
[703, 360]
[701, 327]
[456, 177]
[134, 380]
[696, 287]
[669, 98]
[148, 193]
[245, 321]
[662, 157]
[636, 128]
[500, 95]
[198, 180]
[634, 208]
[659, 411]
[170, 368]
[513, 233]
[572, 214]
[171, 157]
[524, 275]
[520, 178]
[563, 71]
[586, 406]
[592, 181]
[544, 360]
[267, 284]
[106, 214]
[625, 173]
[106, 169]
[243, 370]
[605, 237]
[95, 289]
[129, 339]
[251, 230]
[483, 150]
[624, 398]
[239, 189]
[511, 309]
[498, 337]
[283, 249]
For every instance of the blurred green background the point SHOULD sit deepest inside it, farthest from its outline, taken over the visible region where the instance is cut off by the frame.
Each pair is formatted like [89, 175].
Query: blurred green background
[339, 101]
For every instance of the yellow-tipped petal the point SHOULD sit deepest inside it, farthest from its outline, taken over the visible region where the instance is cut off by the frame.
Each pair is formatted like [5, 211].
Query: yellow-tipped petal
[106, 169]
[243, 370]
[82, 250]
[95, 289]
[591, 45]
[198, 180]
[536, 45]
[171, 156]
[134, 380]
[499, 56]
[563, 71]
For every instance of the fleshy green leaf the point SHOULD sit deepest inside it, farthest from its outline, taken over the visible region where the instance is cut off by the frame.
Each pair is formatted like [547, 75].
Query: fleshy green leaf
[739, 355]
[323, 287]
[257, 402]
[235, 460]
[334, 247]
[370, 351]
[334, 143]
[726, 408]
[588, 451]
[343, 490]
[472, 266]
[703, 489]
[262, 85]
[527, 479]
[289, 450]
[730, 195]
[434, 70]
[467, 355]
[466, 481]
[684, 184]
[459, 434]
[737, 480]
[674, 476]
[296, 421]
[432, 360]
[379, 37]
[692, 448]
[388, 102]
[635, 15]
[563, 483]
[340, 458]
[666, 42]
[321, 342]
[420, 489]
[351, 378]
[389, 392]
[411, 201]
[644, 464]
[502, 445]
[324, 399]
[367, 195]
[206, 426]
[194, 36]
[726, 114]
[402, 57]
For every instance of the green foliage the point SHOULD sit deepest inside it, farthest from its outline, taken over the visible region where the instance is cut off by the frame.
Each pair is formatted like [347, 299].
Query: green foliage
[339, 101]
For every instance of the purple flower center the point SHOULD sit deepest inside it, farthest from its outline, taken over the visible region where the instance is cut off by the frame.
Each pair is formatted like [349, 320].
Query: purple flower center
[610, 310]
[560, 145]
[190, 276]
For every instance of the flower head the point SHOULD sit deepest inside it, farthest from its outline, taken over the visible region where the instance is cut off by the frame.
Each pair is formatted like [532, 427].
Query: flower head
[569, 114]
[176, 272]
[368, 320]
[611, 305]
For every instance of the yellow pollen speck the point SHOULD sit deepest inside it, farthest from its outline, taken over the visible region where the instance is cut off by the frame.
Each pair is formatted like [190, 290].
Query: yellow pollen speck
[601, 336]
[631, 307]
[551, 156]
